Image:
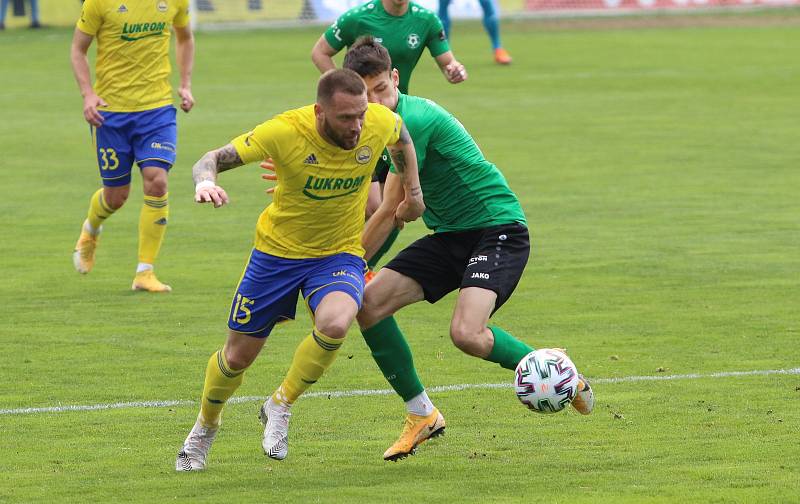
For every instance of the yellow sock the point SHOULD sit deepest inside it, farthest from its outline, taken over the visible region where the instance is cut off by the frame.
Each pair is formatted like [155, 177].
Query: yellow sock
[221, 382]
[152, 226]
[313, 356]
[99, 211]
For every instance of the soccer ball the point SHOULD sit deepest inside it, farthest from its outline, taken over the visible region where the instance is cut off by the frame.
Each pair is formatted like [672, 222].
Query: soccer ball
[546, 380]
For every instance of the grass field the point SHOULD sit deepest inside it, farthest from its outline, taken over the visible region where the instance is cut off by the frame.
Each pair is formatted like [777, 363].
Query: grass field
[658, 167]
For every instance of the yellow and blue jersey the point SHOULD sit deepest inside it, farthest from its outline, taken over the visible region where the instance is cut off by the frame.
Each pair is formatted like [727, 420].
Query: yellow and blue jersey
[321, 193]
[132, 67]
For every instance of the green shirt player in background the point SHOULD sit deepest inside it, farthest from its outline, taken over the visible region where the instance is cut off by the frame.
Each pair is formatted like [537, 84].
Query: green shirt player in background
[405, 29]
[480, 246]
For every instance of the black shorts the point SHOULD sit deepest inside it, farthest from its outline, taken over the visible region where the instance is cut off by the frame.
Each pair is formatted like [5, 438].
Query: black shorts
[491, 258]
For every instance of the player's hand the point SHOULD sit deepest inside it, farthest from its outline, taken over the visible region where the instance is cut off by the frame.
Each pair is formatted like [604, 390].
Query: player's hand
[187, 100]
[209, 192]
[410, 209]
[269, 164]
[90, 113]
[455, 72]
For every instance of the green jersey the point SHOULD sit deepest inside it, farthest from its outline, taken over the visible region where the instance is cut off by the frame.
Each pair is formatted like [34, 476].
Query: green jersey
[462, 190]
[405, 37]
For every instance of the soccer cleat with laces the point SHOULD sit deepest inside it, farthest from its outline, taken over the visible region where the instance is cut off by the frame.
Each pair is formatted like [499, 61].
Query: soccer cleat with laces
[83, 256]
[584, 399]
[502, 57]
[416, 430]
[194, 452]
[275, 418]
[147, 281]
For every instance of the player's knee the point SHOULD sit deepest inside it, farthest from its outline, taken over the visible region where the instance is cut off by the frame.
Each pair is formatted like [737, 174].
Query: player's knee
[237, 359]
[156, 187]
[372, 311]
[335, 327]
[465, 337]
[115, 199]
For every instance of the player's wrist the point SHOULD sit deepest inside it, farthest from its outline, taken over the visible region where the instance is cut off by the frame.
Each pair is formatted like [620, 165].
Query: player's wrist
[204, 184]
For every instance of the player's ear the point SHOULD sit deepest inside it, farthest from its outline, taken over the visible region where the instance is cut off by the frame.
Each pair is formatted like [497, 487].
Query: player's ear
[395, 77]
[318, 111]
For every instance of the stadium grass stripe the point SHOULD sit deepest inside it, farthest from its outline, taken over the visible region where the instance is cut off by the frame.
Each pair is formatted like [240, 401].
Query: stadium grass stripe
[378, 392]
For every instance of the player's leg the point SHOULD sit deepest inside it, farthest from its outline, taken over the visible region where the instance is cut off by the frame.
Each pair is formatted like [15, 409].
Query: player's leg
[266, 294]
[114, 160]
[224, 374]
[421, 271]
[491, 274]
[155, 149]
[3, 11]
[444, 15]
[387, 293]
[333, 291]
[470, 332]
[35, 14]
[492, 26]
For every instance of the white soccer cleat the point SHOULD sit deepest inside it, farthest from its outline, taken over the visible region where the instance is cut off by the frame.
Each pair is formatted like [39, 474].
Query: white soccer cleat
[275, 418]
[194, 452]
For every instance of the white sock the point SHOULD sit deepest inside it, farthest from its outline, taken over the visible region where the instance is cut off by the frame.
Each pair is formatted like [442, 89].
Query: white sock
[143, 267]
[420, 404]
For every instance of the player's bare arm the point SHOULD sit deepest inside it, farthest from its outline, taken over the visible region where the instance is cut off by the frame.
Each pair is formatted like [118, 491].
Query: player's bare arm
[453, 71]
[80, 66]
[184, 53]
[404, 158]
[322, 55]
[205, 171]
[384, 219]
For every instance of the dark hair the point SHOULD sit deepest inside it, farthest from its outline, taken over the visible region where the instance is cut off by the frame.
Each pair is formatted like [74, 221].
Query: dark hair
[367, 57]
[339, 79]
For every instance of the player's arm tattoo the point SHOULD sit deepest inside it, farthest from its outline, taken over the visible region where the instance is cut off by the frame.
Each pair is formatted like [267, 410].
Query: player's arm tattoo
[399, 158]
[216, 162]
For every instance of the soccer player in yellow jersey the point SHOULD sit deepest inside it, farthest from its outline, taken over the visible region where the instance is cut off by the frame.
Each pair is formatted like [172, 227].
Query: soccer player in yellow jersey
[131, 116]
[307, 240]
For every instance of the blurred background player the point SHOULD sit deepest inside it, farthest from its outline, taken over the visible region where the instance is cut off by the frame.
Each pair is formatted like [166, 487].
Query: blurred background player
[18, 4]
[325, 155]
[405, 29]
[131, 115]
[490, 23]
[480, 246]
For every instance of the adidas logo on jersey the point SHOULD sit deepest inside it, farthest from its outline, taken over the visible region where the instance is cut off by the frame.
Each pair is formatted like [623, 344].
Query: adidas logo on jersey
[122, 8]
[311, 159]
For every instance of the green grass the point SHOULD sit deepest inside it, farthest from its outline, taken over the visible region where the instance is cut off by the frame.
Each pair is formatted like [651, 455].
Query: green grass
[658, 168]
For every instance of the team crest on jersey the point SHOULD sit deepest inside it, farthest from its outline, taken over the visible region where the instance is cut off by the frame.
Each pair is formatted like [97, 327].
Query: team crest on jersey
[412, 41]
[161, 6]
[122, 9]
[363, 155]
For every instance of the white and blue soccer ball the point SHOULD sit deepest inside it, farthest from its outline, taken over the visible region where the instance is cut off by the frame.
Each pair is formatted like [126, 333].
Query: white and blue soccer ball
[546, 380]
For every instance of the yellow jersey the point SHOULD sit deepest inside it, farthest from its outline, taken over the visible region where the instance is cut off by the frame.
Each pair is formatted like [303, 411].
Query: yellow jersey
[318, 205]
[132, 68]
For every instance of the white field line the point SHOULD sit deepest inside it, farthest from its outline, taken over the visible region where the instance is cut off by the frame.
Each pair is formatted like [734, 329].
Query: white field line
[377, 392]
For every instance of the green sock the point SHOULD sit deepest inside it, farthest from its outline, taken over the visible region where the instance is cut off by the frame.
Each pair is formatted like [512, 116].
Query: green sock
[393, 356]
[507, 350]
[384, 248]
